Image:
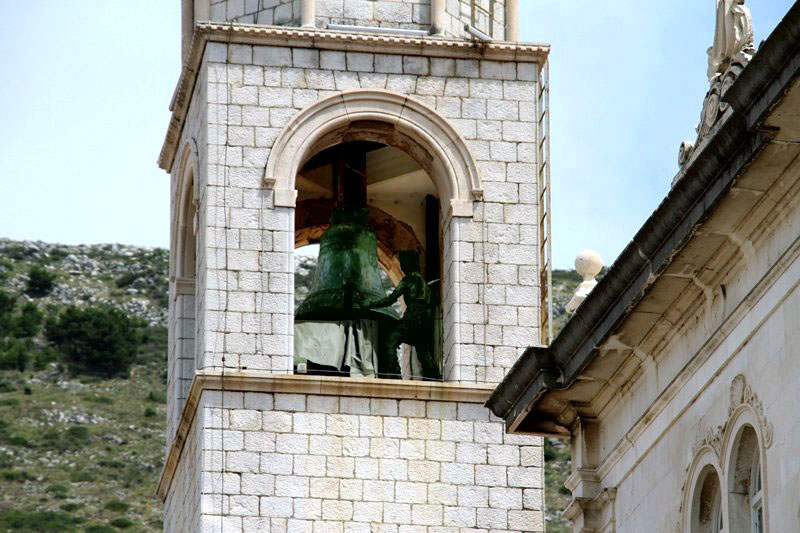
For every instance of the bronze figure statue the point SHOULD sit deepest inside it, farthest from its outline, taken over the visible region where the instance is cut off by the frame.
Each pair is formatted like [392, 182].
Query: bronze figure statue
[416, 326]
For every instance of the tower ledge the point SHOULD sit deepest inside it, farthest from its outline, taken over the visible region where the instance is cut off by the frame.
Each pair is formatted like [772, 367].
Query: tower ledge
[238, 381]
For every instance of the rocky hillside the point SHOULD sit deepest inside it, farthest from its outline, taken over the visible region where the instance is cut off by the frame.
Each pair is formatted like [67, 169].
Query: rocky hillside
[79, 450]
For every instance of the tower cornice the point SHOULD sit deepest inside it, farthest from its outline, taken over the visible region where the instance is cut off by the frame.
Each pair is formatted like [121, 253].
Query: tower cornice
[206, 32]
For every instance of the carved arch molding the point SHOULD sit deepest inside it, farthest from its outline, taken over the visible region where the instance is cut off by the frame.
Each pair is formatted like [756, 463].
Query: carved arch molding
[715, 447]
[380, 116]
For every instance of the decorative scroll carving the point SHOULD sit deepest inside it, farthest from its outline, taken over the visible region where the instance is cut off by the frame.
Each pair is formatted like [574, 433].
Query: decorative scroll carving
[732, 50]
[742, 394]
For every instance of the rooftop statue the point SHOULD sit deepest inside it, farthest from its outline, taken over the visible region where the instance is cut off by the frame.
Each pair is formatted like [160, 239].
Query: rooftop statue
[733, 36]
[731, 51]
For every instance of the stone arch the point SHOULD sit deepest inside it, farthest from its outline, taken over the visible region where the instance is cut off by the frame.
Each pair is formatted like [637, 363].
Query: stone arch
[703, 491]
[743, 446]
[381, 116]
[183, 264]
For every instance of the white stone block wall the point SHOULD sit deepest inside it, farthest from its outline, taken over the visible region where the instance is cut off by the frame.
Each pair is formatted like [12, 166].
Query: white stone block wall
[458, 13]
[304, 463]
[269, 12]
[406, 14]
[245, 292]
[403, 14]
[182, 508]
[184, 319]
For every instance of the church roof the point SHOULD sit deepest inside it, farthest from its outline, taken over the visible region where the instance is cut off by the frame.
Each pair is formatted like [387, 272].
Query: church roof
[748, 149]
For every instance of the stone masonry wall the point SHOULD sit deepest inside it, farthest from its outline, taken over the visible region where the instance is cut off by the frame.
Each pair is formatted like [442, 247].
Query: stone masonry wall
[185, 316]
[406, 14]
[245, 292]
[458, 13]
[182, 509]
[303, 463]
[270, 12]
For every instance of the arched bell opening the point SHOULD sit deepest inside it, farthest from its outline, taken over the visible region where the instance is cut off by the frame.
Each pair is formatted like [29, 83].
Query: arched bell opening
[391, 206]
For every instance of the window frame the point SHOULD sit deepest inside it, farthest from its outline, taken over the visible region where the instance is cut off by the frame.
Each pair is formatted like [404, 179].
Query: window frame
[477, 10]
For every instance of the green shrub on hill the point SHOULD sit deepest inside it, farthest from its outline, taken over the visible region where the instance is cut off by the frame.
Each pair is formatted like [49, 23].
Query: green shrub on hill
[7, 302]
[29, 322]
[38, 521]
[14, 354]
[100, 341]
[40, 281]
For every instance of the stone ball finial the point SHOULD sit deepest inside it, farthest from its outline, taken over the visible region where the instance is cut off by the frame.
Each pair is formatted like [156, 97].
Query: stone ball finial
[588, 264]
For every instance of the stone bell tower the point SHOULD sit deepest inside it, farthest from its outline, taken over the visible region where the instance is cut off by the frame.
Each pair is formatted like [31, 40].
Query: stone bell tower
[421, 126]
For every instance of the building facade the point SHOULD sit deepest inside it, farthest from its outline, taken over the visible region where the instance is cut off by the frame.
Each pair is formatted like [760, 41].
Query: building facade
[447, 115]
[676, 378]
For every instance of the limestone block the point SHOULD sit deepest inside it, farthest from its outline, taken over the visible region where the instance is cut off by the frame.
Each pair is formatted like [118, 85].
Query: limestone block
[291, 443]
[360, 62]
[427, 515]
[305, 58]
[367, 468]
[440, 451]
[378, 491]
[412, 449]
[519, 90]
[272, 56]
[332, 60]
[389, 64]
[528, 520]
[416, 65]
[393, 469]
[275, 463]
[397, 513]
[424, 429]
[308, 508]
[505, 498]
[337, 510]
[458, 474]
[470, 452]
[355, 446]
[259, 441]
[326, 444]
[340, 467]
[424, 471]
[456, 87]
[367, 511]
[258, 484]
[274, 506]
[242, 461]
[291, 486]
[324, 488]
[342, 425]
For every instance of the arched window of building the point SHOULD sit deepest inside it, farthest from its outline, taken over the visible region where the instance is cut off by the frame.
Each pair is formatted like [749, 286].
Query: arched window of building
[756, 495]
[707, 511]
[745, 485]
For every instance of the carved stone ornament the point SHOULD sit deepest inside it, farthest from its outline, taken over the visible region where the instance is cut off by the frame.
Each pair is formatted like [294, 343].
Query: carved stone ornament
[741, 394]
[732, 50]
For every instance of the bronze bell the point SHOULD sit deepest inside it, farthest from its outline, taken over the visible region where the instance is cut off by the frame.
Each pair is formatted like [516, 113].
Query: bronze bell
[347, 276]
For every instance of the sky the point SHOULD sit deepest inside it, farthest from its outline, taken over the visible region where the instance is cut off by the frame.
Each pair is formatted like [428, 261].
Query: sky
[86, 85]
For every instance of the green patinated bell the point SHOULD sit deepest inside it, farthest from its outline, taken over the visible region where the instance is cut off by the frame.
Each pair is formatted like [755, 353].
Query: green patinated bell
[347, 277]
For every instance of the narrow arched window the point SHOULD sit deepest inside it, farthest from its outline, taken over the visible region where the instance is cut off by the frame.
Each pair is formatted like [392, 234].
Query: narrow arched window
[745, 483]
[756, 495]
[707, 512]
